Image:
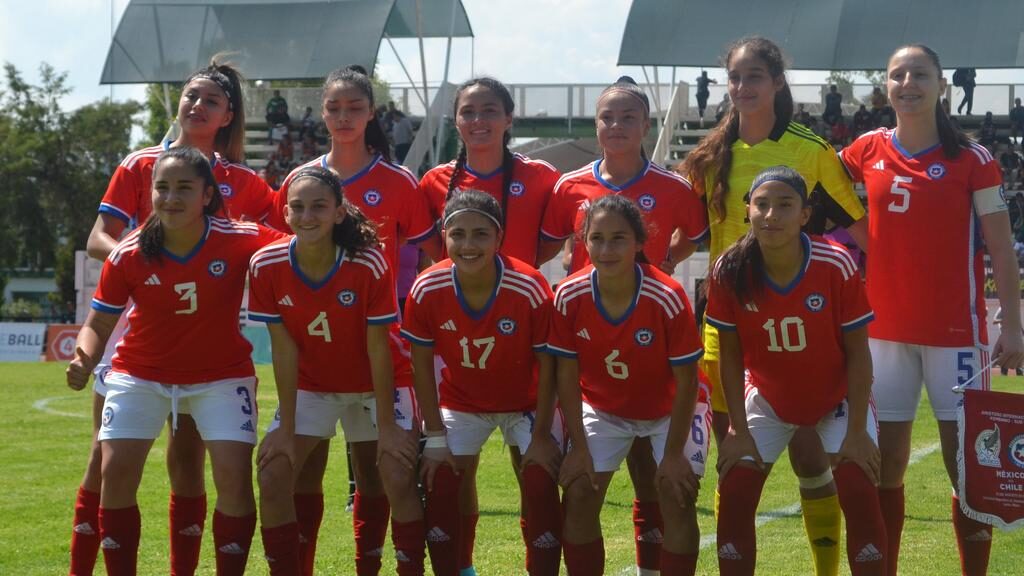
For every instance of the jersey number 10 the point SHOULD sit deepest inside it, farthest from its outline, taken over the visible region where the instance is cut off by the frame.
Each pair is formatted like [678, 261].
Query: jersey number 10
[785, 333]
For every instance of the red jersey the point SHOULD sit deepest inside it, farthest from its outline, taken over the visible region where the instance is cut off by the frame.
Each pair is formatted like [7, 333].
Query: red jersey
[925, 270]
[184, 321]
[386, 193]
[626, 364]
[528, 195]
[666, 200]
[488, 353]
[325, 317]
[129, 195]
[792, 336]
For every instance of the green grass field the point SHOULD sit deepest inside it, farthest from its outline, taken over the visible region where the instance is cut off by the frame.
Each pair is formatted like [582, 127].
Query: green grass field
[44, 438]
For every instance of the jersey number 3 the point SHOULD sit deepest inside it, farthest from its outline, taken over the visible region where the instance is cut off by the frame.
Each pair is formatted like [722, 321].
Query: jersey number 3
[187, 291]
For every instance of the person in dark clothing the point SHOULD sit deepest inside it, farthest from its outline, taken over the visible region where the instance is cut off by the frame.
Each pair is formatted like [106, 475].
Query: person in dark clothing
[833, 106]
[703, 93]
[987, 134]
[968, 83]
[861, 121]
[1017, 120]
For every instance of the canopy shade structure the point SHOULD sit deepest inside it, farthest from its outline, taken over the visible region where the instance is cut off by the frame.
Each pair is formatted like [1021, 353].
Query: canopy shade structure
[163, 41]
[826, 34]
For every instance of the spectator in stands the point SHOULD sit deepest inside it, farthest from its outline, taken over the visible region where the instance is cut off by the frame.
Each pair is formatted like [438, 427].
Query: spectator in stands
[286, 152]
[703, 93]
[401, 134]
[309, 148]
[803, 116]
[965, 79]
[840, 134]
[833, 106]
[1017, 120]
[879, 103]
[816, 127]
[1011, 162]
[861, 121]
[987, 133]
[723, 108]
[277, 111]
[308, 123]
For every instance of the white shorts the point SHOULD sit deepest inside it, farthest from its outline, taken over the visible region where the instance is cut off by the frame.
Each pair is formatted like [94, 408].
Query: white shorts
[610, 437]
[468, 431]
[317, 414]
[901, 369]
[136, 409]
[101, 369]
[771, 434]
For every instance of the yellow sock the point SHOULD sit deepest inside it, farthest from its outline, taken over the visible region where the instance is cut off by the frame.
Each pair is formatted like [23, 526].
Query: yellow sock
[823, 522]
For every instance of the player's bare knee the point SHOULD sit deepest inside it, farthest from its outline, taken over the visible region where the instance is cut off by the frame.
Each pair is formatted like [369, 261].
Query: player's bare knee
[275, 479]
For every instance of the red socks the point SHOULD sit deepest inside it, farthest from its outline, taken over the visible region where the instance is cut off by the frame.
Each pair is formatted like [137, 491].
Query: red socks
[119, 532]
[865, 527]
[467, 539]
[281, 546]
[973, 539]
[309, 512]
[678, 564]
[893, 511]
[544, 524]
[187, 517]
[370, 523]
[232, 536]
[648, 529]
[584, 559]
[740, 492]
[408, 538]
[441, 520]
[85, 535]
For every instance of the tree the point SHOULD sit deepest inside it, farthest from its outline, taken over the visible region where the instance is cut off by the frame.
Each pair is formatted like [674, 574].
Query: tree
[158, 123]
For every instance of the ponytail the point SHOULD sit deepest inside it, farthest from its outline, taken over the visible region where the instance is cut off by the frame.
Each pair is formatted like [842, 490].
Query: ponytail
[740, 269]
[460, 166]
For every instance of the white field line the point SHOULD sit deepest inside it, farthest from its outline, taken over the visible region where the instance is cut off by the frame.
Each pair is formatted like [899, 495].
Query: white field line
[44, 406]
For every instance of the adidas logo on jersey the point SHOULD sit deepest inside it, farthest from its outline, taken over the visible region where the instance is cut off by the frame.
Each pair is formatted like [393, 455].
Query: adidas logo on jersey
[247, 427]
[868, 554]
[880, 165]
[546, 540]
[697, 457]
[449, 326]
[435, 534]
[153, 280]
[651, 536]
[980, 536]
[286, 301]
[584, 334]
[109, 543]
[85, 529]
[193, 530]
[750, 307]
[232, 548]
[729, 552]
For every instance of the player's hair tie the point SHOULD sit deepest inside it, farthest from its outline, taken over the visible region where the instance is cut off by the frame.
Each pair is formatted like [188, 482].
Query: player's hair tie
[325, 177]
[783, 174]
[473, 210]
[218, 78]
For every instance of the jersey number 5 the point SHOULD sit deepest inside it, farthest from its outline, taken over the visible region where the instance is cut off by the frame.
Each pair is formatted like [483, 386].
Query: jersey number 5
[187, 291]
[902, 201]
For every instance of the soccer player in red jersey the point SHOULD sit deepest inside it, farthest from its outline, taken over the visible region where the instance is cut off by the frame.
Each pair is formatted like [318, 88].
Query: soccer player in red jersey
[927, 183]
[330, 288]
[387, 194]
[669, 206]
[627, 339]
[486, 316]
[211, 114]
[184, 270]
[791, 314]
[483, 117]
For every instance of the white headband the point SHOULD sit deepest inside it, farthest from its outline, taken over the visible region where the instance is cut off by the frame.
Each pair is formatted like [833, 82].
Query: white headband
[474, 210]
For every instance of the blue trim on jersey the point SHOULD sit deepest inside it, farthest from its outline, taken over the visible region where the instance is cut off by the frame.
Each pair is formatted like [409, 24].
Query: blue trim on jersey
[378, 320]
[783, 290]
[545, 236]
[481, 175]
[166, 144]
[420, 341]
[596, 293]
[265, 318]
[896, 144]
[724, 326]
[293, 259]
[687, 359]
[362, 172]
[859, 322]
[613, 187]
[426, 235]
[562, 352]
[101, 307]
[114, 211]
[702, 237]
[478, 314]
[195, 249]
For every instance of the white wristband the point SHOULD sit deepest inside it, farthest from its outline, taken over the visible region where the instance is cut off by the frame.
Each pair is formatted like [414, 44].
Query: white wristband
[436, 442]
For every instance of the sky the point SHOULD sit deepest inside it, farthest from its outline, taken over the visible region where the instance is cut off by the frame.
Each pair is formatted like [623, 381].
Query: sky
[517, 41]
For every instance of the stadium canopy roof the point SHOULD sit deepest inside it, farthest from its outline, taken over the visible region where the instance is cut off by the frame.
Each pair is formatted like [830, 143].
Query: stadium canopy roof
[163, 41]
[826, 34]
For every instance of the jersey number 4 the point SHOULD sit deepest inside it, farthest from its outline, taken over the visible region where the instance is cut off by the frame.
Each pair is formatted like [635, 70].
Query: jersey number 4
[320, 327]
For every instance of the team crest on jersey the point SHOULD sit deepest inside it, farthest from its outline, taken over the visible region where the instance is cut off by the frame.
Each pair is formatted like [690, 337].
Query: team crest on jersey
[936, 171]
[226, 190]
[516, 188]
[108, 415]
[815, 302]
[1016, 450]
[507, 326]
[372, 197]
[644, 336]
[646, 202]
[346, 298]
[217, 268]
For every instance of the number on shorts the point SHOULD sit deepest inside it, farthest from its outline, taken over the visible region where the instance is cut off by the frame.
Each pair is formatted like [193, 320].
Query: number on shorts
[785, 327]
[964, 366]
[902, 201]
[187, 291]
[697, 430]
[617, 370]
[320, 327]
[246, 399]
[486, 343]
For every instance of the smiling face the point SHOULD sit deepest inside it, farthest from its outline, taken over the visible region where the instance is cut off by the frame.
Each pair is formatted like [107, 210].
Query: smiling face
[622, 122]
[472, 240]
[481, 118]
[179, 194]
[914, 83]
[611, 243]
[346, 112]
[777, 213]
[751, 87]
[312, 211]
[203, 108]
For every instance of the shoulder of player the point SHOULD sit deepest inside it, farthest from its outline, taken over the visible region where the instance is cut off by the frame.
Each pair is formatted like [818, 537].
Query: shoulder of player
[234, 168]
[372, 258]
[522, 279]
[128, 245]
[805, 136]
[439, 275]
[274, 253]
[534, 164]
[582, 174]
[438, 174]
[577, 284]
[833, 255]
[662, 289]
[979, 152]
[662, 173]
[226, 226]
[311, 164]
[149, 154]
[400, 174]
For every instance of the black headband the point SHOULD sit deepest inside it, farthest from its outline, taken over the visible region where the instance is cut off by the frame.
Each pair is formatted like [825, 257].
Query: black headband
[218, 78]
[322, 176]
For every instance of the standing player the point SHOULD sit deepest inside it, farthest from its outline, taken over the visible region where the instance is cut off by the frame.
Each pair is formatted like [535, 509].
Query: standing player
[924, 177]
[185, 272]
[759, 132]
[483, 110]
[387, 194]
[326, 289]
[627, 338]
[667, 204]
[791, 314]
[486, 316]
[212, 118]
